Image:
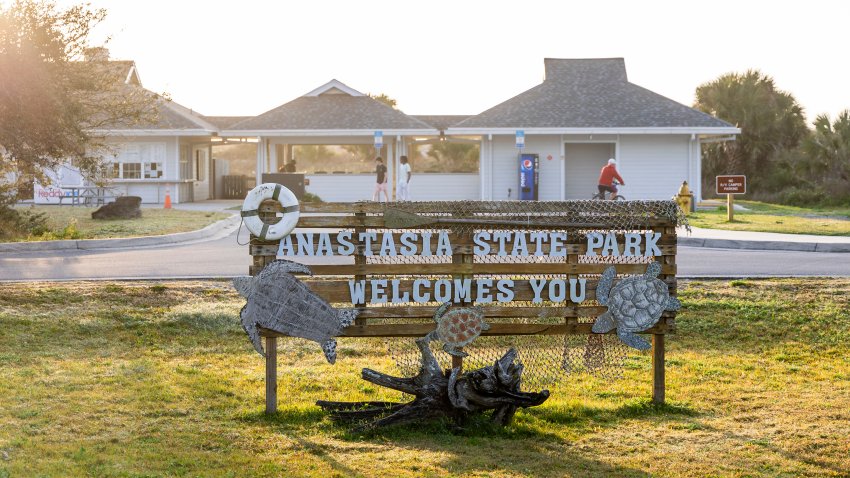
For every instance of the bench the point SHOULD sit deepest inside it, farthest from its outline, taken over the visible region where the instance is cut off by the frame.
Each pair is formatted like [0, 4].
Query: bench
[462, 222]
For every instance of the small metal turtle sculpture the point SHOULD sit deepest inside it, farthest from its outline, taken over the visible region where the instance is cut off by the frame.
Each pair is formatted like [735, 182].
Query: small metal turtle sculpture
[635, 304]
[457, 327]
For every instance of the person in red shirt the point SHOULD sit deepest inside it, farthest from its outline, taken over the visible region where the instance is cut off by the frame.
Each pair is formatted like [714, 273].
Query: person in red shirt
[607, 176]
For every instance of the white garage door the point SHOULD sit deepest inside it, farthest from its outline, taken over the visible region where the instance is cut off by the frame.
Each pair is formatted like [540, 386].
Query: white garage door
[583, 162]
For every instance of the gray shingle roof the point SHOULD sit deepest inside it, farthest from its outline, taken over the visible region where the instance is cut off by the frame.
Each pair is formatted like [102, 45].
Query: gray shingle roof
[441, 122]
[169, 115]
[331, 112]
[172, 116]
[589, 93]
[225, 122]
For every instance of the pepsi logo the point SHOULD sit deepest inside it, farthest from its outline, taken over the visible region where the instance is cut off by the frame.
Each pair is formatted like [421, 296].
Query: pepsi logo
[526, 164]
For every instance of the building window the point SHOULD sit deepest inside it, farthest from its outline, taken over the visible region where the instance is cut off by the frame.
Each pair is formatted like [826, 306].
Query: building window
[200, 165]
[132, 170]
[139, 161]
[111, 170]
[153, 170]
[185, 165]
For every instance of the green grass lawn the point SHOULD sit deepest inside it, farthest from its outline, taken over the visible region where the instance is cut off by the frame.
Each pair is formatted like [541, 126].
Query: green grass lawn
[66, 222]
[158, 379]
[763, 217]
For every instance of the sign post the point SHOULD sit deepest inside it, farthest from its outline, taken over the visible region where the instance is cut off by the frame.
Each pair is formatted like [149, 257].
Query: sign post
[731, 185]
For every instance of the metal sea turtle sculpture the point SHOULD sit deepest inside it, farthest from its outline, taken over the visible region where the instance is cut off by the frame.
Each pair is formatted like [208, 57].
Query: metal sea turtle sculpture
[635, 304]
[457, 327]
[277, 300]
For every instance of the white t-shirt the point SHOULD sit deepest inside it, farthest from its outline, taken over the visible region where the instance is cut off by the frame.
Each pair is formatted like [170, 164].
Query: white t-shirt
[403, 169]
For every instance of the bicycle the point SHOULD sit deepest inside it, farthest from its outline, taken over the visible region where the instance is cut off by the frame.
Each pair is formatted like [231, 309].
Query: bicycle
[615, 196]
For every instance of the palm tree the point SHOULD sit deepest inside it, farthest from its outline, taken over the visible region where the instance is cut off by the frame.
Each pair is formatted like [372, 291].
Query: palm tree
[771, 121]
[828, 152]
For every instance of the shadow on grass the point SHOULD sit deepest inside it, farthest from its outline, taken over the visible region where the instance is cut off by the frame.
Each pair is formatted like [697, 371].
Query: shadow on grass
[528, 423]
[813, 458]
[643, 408]
[524, 448]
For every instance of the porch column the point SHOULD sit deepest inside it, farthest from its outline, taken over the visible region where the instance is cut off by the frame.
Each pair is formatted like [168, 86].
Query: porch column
[274, 158]
[396, 162]
[563, 169]
[487, 179]
[696, 187]
[261, 159]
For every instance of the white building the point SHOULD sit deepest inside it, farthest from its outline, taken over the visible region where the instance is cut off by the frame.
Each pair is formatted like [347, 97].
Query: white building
[168, 157]
[583, 113]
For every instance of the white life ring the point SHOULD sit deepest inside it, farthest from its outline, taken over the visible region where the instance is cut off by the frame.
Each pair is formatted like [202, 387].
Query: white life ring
[250, 211]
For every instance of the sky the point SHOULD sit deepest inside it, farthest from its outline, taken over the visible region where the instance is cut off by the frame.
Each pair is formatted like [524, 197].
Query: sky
[235, 58]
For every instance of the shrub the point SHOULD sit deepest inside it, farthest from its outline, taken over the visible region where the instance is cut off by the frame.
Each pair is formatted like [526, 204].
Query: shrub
[806, 196]
[310, 197]
[16, 223]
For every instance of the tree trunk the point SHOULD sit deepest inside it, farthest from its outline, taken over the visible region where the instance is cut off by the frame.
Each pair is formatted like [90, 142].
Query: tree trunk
[449, 394]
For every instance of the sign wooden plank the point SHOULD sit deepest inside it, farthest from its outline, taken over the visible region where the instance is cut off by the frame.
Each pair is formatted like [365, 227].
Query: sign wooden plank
[306, 242]
[377, 222]
[731, 184]
[480, 268]
[534, 312]
[419, 330]
[338, 292]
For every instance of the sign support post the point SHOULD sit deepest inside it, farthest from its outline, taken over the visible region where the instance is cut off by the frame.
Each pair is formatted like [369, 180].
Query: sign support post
[730, 208]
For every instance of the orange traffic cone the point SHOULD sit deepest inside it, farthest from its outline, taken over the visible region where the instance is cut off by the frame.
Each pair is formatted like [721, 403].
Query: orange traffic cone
[167, 200]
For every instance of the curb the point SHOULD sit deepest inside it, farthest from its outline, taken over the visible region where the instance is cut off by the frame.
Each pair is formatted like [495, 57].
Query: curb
[763, 245]
[121, 243]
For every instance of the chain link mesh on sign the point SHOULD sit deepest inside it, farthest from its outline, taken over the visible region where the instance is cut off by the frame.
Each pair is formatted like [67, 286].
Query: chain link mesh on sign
[583, 215]
[547, 358]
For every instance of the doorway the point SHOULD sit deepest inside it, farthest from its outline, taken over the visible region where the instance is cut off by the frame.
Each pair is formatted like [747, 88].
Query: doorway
[583, 161]
[200, 172]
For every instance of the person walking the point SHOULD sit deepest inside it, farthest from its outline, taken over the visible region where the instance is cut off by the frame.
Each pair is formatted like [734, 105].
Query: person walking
[404, 175]
[381, 180]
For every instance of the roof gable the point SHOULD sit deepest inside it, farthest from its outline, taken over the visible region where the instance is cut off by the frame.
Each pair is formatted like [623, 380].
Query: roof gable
[334, 87]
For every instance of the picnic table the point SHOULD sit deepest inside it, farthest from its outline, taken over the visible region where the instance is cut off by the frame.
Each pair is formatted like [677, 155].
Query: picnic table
[87, 195]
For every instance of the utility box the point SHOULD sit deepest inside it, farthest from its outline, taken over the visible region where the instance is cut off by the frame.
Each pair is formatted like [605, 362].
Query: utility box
[292, 181]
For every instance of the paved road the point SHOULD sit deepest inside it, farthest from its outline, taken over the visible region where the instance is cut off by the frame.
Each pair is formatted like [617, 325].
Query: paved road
[223, 257]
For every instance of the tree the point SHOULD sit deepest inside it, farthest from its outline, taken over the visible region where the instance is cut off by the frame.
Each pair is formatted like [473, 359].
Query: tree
[827, 153]
[383, 98]
[51, 100]
[449, 157]
[771, 121]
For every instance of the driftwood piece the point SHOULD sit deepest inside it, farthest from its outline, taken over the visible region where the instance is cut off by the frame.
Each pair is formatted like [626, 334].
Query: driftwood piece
[124, 207]
[450, 394]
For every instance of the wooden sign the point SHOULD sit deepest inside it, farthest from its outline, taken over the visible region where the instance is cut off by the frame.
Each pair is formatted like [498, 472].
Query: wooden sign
[731, 184]
[533, 268]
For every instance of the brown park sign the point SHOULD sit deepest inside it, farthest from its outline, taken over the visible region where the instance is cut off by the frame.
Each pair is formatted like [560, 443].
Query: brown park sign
[731, 184]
